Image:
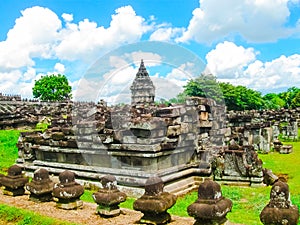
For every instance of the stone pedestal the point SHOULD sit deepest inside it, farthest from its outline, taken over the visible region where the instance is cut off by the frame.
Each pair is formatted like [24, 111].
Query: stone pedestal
[211, 207]
[68, 191]
[155, 203]
[286, 149]
[14, 182]
[40, 187]
[109, 197]
[277, 145]
[280, 210]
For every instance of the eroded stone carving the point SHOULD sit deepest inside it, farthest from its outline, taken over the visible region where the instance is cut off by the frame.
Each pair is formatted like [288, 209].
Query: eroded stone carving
[280, 209]
[14, 182]
[109, 197]
[211, 207]
[155, 202]
[68, 191]
[41, 186]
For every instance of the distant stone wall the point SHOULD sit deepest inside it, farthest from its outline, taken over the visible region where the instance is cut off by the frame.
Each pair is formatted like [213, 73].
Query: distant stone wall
[26, 114]
[4, 97]
[260, 128]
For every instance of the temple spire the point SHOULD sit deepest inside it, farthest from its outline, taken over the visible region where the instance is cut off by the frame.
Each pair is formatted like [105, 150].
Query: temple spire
[142, 88]
[142, 70]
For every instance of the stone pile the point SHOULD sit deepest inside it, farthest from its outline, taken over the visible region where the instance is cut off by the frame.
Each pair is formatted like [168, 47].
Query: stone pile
[20, 114]
[260, 128]
[132, 139]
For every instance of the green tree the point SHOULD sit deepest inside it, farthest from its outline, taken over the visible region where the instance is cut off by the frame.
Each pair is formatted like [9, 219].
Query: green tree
[205, 85]
[52, 88]
[273, 101]
[289, 95]
[296, 101]
[241, 98]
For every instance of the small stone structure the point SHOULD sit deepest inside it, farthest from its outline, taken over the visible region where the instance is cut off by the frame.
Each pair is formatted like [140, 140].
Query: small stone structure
[41, 186]
[14, 182]
[211, 207]
[286, 149]
[109, 197]
[280, 210]
[68, 191]
[155, 202]
[238, 163]
[142, 88]
[277, 145]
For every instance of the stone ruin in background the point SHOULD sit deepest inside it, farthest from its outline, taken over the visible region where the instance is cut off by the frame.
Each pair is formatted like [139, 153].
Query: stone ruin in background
[182, 144]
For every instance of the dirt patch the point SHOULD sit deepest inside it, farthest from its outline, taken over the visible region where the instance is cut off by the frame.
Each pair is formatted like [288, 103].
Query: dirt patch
[86, 215]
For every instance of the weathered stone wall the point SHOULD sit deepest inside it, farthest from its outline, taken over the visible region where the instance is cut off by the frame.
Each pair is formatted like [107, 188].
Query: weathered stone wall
[22, 114]
[260, 128]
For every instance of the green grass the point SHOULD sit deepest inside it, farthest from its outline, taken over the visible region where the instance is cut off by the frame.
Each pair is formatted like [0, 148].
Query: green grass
[13, 215]
[8, 148]
[286, 164]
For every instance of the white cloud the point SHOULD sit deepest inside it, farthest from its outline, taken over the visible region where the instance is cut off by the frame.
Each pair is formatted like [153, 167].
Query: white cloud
[282, 72]
[228, 59]
[18, 82]
[67, 17]
[256, 21]
[60, 68]
[239, 66]
[166, 34]
[33, 35]
[38, 34]
[91, 40]
[150, 59]
[166, 88]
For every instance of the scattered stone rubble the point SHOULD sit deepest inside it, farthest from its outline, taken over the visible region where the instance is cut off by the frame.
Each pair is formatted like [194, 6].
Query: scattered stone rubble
[280, 210]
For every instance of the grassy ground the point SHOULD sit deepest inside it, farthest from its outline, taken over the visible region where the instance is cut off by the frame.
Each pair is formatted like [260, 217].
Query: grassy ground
[13, 215]
[8, 148]
[247, 201]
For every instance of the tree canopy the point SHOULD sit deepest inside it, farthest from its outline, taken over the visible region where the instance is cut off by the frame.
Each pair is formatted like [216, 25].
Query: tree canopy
[239, 97]
[52, 88]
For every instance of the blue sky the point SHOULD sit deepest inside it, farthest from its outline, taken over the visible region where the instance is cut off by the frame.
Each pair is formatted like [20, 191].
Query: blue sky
[251, 43]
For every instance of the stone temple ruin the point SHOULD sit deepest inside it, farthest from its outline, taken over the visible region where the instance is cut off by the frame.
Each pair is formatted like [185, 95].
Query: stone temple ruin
[182, 144]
